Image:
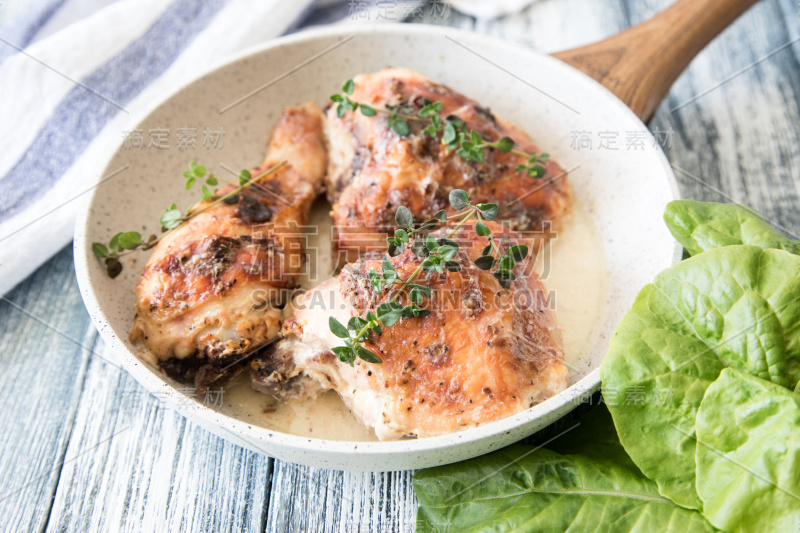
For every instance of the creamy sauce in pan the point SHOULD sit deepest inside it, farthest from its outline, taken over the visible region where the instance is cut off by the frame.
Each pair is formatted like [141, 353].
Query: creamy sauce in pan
[573, 270]
[576, 280]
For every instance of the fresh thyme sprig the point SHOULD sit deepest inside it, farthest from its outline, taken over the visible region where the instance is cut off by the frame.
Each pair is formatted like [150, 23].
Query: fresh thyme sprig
[124, 243]
[455, 133]
[437, 255]
[196, 172]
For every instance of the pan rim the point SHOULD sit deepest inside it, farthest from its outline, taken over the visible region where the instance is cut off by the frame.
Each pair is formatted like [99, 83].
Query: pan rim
[240, 431]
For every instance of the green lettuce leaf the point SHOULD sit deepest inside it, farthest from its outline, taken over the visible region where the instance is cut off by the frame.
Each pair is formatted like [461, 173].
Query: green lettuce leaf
[748, 456]
[595, 438]
[738, 307]
[525, 489]
[702, 226]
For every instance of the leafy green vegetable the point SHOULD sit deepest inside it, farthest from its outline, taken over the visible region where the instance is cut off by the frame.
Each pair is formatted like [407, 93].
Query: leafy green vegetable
[711, 348]
[596, 438]
[698, 380]
[738, 307]
[748, 456]
[701, 226]
[525, 489]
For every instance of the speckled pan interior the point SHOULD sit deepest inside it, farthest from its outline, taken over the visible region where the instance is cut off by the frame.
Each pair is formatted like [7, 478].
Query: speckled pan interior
[625, 190]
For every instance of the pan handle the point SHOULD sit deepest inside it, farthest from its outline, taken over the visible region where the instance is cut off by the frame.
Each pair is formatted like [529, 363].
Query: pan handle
[641, 63]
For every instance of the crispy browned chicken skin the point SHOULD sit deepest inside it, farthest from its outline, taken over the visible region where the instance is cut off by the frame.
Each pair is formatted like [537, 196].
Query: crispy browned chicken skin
[483, 353]
[373, 170]
[213, 289]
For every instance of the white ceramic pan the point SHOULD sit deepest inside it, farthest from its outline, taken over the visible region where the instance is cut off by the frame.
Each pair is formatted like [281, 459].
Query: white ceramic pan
[623, 191]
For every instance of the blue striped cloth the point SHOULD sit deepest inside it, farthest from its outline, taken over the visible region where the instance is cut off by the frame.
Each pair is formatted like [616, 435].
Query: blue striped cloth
[72, 72]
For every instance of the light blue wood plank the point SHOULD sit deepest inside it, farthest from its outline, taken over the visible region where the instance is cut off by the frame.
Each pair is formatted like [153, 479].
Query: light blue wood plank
[134, 465]
[741, 141]
[331, 501]
[43, 326]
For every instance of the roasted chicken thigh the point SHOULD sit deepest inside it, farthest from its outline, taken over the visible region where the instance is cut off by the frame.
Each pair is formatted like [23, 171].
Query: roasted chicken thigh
[213, 289]
[373, 170]
[482, 354]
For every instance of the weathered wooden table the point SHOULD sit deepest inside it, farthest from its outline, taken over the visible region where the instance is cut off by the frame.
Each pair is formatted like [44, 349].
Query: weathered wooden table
[84, 448]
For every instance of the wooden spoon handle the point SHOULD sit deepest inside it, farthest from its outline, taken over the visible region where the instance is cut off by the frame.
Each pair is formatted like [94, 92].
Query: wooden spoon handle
[641, 63]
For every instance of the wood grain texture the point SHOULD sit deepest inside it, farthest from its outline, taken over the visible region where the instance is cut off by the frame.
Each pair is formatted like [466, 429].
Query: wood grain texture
[85, 448]
[42, 365]
[739, 141]
[327, 501]
[640, 64]
[134, 465]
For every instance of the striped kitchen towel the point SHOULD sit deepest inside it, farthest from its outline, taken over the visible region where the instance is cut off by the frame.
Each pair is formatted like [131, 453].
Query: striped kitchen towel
[66, 98]
[74, 72]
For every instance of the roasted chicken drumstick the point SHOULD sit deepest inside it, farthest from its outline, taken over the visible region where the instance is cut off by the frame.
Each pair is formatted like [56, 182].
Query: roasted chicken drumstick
[213, 289]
